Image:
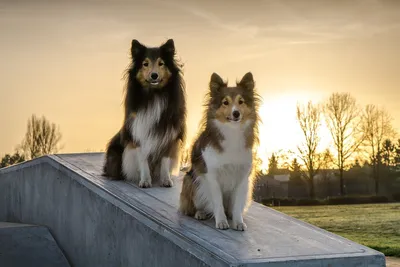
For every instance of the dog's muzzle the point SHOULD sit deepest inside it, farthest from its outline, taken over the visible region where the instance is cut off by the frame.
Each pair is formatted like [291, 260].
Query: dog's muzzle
[154, 79]
[235, 117]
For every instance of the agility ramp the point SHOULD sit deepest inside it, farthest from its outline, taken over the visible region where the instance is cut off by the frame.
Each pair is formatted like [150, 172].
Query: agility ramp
[97, 222]
[29, 245]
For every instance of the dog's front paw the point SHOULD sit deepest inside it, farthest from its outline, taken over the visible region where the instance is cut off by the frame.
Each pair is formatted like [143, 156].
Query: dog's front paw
[239, 226]
[223, 225]
[200, 215]
[144, 184]
[167, 182]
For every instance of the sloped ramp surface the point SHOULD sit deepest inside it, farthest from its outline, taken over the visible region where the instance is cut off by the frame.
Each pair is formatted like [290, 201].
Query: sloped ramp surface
[24, 245]
[98, 222]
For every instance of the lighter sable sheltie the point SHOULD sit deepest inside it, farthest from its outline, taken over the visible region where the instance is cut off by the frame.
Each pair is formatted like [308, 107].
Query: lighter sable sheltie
[219, 183]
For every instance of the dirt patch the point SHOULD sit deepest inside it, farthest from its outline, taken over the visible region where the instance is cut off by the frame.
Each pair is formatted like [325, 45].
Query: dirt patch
[392, 262]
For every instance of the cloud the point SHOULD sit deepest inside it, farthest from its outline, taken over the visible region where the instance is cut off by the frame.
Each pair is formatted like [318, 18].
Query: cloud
[242, 27]
[304, 22]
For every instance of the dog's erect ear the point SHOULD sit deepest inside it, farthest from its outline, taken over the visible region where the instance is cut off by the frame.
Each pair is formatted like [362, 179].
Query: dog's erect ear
[216, 82]
[168, 47]
[136, 48]
[247, 81]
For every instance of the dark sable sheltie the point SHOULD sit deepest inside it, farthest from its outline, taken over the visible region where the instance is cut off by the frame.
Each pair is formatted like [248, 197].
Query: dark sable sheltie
[147, 147]
[220, 180]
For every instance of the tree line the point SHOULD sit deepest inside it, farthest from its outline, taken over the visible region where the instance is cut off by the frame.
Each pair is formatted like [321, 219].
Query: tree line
[356, 132]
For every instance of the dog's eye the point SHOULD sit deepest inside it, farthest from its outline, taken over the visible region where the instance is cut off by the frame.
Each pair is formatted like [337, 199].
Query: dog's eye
[146, 64]
[225, 102]
[161, 64]
[241, 101]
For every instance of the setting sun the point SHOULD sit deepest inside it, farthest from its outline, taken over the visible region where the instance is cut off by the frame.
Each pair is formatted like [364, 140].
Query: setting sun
[280, 130]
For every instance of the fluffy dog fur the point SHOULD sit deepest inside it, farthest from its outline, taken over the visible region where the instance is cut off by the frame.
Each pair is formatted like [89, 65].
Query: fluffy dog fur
[147, 147]
[220, 180]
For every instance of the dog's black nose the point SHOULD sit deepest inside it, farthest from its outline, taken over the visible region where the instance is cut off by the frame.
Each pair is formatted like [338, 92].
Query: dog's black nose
[154, 76]
[236, 114]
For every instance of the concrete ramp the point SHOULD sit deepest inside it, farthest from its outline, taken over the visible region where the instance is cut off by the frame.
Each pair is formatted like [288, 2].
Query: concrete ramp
[29, 245]
[98, 222]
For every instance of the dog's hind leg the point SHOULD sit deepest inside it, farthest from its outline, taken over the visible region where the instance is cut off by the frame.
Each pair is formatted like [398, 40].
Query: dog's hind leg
[186, 203]
[113, 159]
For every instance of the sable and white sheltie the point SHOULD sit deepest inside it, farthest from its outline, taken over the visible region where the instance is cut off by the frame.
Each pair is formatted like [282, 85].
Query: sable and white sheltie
[147, 147]
[219, 182]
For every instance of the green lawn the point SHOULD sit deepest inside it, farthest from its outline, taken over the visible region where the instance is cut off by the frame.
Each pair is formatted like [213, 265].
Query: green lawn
[373, 225]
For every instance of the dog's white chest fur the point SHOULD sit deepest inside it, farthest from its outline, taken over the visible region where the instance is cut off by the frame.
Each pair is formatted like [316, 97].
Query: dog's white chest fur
[143, 125]
[235, 160]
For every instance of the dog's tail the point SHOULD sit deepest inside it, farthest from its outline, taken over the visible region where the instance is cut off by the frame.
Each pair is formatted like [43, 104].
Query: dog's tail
[186, 203]
[112, 168]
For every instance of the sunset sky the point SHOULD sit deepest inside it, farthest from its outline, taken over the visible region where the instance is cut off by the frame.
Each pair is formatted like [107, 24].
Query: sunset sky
[66, 59]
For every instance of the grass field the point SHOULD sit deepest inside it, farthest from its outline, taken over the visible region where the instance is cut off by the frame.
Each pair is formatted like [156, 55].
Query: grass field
[374, 225]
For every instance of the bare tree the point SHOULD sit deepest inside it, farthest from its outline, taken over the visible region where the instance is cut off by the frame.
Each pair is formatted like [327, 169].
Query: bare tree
[376, 127]
[42, 138]
[342, 118]
[309, 119]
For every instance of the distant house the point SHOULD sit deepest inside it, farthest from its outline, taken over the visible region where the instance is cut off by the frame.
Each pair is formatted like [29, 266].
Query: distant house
[271, 186]
[281, 186]
[283, 178]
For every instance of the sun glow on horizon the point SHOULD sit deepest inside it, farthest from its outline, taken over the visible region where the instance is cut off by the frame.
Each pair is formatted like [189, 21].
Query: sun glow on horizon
[279, 128]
